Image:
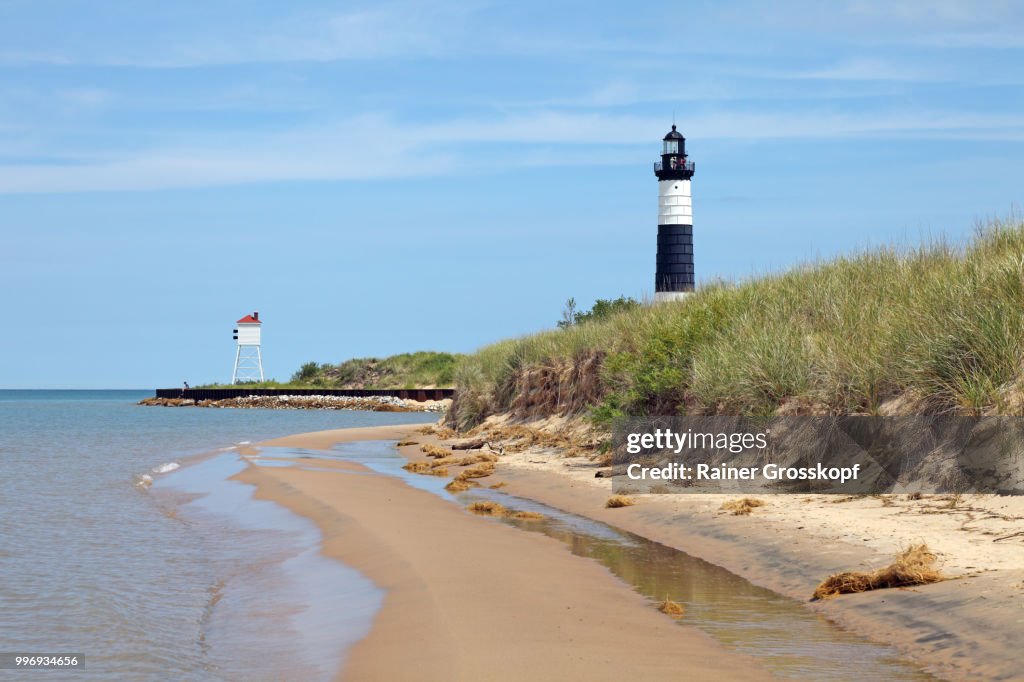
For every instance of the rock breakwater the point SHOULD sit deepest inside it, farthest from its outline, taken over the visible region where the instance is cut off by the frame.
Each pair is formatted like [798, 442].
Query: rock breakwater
[309, 402]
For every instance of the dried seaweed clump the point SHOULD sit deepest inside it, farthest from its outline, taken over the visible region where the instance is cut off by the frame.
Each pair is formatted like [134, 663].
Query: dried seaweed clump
[742, 506]
[913, 566]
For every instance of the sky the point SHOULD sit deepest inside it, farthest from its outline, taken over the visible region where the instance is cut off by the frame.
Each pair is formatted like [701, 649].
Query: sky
[384, 177]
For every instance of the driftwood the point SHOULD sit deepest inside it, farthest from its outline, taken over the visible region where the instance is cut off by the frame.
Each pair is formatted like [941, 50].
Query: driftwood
[474, 444]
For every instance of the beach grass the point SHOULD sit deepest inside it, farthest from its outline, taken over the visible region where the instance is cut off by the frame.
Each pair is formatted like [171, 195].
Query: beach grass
[941, 323]
[617, 501]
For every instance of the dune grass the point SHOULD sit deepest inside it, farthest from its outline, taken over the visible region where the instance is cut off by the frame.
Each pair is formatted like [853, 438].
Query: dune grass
[940, 321]
[405, 370]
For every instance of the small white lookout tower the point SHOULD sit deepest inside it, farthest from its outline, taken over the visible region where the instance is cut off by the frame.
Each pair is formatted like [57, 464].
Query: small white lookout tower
[248, 360]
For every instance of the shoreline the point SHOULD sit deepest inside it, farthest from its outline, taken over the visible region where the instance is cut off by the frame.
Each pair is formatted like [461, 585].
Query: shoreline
[969, 627]
[464, 596]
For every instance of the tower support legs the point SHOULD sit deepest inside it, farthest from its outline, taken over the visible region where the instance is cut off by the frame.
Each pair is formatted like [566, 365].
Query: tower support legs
[248, 365]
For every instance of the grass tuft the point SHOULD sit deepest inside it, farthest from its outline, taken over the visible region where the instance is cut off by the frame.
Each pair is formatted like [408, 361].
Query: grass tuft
[913, 566]
[528, 516]
[617, 501]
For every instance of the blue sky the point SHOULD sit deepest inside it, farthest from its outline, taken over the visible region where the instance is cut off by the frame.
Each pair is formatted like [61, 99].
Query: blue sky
[383, 177]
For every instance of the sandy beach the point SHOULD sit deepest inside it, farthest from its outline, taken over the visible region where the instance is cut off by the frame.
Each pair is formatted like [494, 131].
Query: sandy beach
[470, 599]
[969, 628]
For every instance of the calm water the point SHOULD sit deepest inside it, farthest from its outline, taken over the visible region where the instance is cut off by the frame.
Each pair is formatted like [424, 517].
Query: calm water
[192, 579]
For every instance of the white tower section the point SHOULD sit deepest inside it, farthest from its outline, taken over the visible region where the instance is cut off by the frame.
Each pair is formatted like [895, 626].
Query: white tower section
[675, 206]
[248, 358]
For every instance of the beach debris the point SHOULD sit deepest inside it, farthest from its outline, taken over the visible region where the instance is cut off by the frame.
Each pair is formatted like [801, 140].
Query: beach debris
[479, 457]
[742, 506]
[500, 484]
[671, 608]
[487, 508]
[403, 443]
[473, 444]
[913, 566]
[617, 501]
[459, 485]
[442, 432]
[417, 467]
[431, 450]
[479, 471]
[527, 515]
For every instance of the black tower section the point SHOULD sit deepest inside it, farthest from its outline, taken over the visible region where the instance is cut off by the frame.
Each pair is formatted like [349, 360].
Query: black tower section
[674, 265]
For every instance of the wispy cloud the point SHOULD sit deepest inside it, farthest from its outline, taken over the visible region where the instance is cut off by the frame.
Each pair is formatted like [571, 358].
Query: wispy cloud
[364, 147]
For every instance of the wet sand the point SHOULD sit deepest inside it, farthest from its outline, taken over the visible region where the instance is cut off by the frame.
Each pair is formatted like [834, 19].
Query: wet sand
[970, 628]
[470, 599]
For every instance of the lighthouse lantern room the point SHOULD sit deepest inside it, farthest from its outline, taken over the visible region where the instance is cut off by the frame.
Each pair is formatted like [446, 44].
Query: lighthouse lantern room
[674, 275]
[248, 358]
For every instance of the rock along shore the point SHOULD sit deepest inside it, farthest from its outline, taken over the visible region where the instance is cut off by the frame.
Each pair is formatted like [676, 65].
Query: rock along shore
[309, 402]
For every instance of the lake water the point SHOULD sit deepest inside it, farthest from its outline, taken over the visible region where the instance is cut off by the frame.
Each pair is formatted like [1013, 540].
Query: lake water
[191, 579]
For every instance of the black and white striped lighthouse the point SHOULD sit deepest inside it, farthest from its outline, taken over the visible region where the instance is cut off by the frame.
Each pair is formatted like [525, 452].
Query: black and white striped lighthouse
[673, 277]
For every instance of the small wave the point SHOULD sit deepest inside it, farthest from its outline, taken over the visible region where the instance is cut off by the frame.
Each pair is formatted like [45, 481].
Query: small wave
[244, 442]
[166, 468]
[143, 481]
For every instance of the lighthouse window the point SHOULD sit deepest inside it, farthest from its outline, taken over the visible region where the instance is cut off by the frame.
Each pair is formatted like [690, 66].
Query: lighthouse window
[671, 147]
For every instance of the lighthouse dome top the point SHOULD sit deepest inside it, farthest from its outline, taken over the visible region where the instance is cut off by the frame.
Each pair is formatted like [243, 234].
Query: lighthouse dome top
[674, 134]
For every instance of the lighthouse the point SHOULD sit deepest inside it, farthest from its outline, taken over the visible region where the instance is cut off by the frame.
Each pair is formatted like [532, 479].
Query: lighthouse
[248, 359]
[673, 278]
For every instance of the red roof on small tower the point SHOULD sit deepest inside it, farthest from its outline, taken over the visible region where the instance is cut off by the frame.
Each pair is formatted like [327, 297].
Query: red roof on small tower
[250, 319]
